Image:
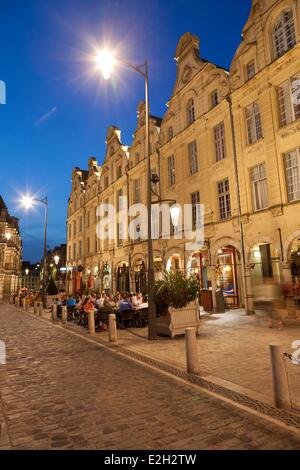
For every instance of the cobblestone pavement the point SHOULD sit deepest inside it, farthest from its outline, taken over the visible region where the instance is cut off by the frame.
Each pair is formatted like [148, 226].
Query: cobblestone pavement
[58, 391]
[231, 346]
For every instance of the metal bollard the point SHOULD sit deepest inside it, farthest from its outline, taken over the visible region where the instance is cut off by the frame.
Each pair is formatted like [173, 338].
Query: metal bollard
[112, 328]
[191, 351]
[281, 389]
[41, 309]
[27, 306]
[54, 312]
[91, 322]
[64, 315]
[35, 307]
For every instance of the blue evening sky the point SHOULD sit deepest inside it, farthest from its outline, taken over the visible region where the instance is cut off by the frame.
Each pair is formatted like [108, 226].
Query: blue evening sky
[58, 109]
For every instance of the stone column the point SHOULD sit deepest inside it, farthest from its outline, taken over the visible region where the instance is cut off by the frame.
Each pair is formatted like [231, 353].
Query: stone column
[282, 395]
[112, 328]
[192, 362]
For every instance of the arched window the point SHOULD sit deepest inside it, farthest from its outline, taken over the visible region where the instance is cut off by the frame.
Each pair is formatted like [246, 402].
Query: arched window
[170, 133]
[190, 109]
[284, 36]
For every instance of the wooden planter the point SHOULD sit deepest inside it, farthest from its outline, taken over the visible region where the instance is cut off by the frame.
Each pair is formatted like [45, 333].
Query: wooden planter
[177, 320]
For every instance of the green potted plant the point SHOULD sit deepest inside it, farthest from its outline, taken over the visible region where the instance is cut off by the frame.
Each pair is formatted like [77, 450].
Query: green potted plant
[175, 298]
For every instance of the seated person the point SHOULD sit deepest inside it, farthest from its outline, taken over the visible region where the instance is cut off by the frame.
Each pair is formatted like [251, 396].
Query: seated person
[125, 303]
[137, 299]
[71, 302]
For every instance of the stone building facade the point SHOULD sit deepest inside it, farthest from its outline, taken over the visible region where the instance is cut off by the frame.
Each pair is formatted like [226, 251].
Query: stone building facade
[10, 253]
[229, 140]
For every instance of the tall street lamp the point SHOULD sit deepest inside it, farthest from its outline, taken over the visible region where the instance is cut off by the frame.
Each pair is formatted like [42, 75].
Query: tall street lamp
[28, 202]
[106, 61]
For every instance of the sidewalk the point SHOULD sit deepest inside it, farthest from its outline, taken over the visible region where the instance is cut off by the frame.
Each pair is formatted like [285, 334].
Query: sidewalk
[231, 346]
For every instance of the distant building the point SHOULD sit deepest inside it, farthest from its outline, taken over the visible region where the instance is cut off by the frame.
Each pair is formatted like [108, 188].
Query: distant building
[10, 252]
[30, 276]
[56, 265]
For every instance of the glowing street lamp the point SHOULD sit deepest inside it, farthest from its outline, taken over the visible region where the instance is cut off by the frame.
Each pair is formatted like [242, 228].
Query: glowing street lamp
[28, 202]
[56, 259]
[105, 62]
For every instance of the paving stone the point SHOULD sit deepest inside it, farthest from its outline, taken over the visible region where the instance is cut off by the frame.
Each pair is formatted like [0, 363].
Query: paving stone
[61, 392]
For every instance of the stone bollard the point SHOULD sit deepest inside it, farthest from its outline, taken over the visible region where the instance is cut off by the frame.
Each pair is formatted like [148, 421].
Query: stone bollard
[54, 312]
[191, 351]
[41, 309]
[91, 322]
[281, 389]
[64, 315]
[112, 328]
[24, 304]
[35, 307]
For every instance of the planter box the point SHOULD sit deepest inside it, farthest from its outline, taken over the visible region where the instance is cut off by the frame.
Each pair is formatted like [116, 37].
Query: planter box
[177, 320]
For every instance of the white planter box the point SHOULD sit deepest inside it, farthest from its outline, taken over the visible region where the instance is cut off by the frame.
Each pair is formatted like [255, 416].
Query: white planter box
[177, 320]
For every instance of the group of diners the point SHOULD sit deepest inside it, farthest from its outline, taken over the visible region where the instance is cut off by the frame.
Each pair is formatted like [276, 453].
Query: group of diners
[131, 309]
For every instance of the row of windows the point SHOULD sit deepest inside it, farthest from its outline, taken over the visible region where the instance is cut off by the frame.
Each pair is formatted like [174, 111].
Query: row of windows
[259, 187]
[259, 190]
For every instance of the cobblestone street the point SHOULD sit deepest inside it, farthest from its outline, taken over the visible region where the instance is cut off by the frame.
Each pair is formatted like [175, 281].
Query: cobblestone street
[62, 392]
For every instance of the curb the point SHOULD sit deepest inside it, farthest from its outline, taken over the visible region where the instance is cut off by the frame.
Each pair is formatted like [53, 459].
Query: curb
[220, 388]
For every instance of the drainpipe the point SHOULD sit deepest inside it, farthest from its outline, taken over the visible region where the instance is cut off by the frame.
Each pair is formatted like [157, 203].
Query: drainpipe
[249, 311]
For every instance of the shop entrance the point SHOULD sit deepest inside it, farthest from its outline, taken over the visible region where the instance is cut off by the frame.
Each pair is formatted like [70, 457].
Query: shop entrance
[226, 275]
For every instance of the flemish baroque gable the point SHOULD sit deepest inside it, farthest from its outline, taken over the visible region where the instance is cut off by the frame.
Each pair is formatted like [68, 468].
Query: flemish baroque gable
[188, 60]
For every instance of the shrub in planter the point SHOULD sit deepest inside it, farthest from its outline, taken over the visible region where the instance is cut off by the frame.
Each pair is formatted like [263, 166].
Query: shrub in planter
[174, 290]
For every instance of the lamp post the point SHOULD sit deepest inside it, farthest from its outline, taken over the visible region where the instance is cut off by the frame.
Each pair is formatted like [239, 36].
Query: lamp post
[56, 261]
[28, 202]
[26, 278]
[106, 61]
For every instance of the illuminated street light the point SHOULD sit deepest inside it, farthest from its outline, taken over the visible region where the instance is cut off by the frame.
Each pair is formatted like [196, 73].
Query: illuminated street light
[175, 213]
[105, 62]
[28, 201]
[56, 259]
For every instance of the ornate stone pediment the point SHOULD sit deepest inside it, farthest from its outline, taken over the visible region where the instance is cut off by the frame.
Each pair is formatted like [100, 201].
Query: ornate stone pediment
[186, 74]
[290, 130]
[254, 148]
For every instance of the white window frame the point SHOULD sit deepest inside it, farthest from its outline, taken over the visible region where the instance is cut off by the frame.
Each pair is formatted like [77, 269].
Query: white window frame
[250, 69]
[283, 33]
[193, 157]
[259, 187]
[190, 111]
[171, 171]
[220, 141]
[292, 174]
[253, 122]
[195, 199]
[136, 191]
[288, 94]
[224, 200]
[214, 98]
